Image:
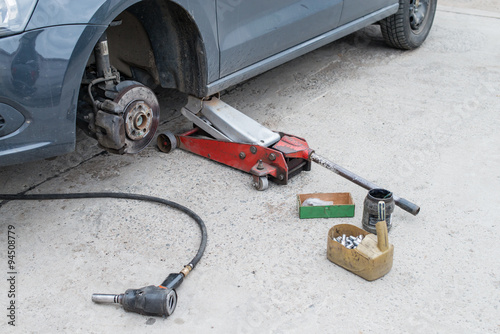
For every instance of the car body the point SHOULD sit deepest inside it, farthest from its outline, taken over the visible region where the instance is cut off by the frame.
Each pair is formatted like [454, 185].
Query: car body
[199, 47]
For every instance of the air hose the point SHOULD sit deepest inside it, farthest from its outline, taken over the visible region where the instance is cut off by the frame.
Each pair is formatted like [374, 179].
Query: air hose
[150, 300]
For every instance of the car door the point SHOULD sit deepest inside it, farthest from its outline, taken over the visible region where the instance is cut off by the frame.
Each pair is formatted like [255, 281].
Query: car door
[354, 9]
[252, 30]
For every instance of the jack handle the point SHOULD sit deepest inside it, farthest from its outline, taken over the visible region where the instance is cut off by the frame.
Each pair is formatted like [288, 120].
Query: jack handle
[401, 202]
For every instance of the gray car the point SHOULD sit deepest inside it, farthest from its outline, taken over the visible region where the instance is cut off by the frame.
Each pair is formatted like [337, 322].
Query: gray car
[98, 63]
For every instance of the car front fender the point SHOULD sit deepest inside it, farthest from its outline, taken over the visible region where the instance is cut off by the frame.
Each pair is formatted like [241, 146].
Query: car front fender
[64, 12]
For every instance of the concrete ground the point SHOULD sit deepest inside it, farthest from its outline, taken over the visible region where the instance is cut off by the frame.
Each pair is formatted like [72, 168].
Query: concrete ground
[423, 124]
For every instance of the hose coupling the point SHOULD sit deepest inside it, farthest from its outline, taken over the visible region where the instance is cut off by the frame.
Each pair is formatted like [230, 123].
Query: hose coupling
[186, 270]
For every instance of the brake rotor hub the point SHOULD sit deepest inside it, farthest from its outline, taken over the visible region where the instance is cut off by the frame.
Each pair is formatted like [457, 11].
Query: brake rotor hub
[138, 120]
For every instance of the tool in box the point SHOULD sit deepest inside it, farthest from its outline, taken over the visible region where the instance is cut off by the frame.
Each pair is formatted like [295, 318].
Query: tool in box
[225, 135]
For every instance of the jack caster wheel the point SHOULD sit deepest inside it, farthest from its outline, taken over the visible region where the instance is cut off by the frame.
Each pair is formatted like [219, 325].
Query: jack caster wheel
[166, 142]
[261, 183]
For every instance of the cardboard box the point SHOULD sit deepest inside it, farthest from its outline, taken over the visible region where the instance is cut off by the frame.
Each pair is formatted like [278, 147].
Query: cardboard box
[343, 206]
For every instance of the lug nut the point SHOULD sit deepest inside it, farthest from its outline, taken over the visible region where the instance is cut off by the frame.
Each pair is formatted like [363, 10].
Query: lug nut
[349, 242]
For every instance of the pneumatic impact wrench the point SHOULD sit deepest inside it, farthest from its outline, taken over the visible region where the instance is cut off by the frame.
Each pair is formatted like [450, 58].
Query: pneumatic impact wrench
[150, 300]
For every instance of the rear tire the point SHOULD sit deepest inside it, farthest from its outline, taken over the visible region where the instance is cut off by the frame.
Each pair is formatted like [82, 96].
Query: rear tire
[409, 27]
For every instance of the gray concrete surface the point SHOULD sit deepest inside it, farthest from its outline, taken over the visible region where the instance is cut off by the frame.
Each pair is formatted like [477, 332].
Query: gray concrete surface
[423, 124]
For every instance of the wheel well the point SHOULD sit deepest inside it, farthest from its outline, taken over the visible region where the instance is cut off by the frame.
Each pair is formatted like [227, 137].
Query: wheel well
[158, 43]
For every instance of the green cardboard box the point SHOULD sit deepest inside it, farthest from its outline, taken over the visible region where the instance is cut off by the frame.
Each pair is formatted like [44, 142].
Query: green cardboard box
[343, 206]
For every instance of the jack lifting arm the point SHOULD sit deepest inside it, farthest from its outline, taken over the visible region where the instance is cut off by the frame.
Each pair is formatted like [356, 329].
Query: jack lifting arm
[401, 202]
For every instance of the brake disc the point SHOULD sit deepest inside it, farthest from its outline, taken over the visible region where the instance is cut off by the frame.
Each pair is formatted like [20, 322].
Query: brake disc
[141, 115]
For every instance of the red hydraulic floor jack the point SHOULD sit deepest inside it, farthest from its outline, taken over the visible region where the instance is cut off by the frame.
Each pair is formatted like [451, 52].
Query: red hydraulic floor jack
[225, 135]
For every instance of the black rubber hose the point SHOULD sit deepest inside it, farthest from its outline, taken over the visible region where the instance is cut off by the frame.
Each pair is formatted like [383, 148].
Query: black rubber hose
[138, 197]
